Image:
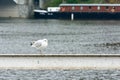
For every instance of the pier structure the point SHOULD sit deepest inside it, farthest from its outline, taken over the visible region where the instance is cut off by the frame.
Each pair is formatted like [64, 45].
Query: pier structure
[59, 61]
[19, 8]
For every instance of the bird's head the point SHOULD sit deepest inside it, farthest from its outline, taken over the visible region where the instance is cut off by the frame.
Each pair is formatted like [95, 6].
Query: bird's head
[32, 43]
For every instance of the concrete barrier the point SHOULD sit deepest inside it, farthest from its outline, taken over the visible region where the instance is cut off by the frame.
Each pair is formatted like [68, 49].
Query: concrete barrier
[61, 61]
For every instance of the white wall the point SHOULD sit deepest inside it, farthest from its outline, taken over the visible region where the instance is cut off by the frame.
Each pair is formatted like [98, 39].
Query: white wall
[16, 8]
[8, 8]
[20, 1]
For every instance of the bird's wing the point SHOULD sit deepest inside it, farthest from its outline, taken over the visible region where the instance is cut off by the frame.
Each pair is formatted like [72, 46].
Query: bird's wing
[38, 44]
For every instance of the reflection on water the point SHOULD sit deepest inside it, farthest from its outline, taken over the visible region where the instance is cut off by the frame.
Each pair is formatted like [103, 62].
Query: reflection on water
[65, 37]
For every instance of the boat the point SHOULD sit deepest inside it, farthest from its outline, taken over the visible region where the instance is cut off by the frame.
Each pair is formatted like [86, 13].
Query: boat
[80, 11]
[50, 13]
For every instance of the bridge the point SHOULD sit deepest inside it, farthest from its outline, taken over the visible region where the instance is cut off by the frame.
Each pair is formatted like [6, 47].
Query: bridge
[19, 8]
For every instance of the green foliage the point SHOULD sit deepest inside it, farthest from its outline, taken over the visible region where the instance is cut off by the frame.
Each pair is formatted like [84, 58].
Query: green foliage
[55, 3]
[79, 1]
[71, 1]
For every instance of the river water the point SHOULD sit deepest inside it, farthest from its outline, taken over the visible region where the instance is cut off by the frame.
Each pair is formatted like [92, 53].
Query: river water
[59, 75]
[65, 37]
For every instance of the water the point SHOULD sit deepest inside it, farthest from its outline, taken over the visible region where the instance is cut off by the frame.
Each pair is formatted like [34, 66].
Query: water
[65, 36]
[59, 74]
[75, 37]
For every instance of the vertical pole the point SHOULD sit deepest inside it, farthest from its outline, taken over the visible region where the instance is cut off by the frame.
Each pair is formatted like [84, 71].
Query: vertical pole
[72, 16]
[41, 2]
[30, 8]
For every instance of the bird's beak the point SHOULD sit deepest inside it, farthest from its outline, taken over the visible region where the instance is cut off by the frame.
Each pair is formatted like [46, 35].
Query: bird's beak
[31, 43]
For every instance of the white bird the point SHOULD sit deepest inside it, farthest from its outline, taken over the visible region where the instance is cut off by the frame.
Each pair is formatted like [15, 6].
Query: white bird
[40, 44]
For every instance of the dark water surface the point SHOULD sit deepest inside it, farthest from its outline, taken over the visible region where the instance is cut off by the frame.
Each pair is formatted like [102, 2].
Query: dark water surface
[65, 37]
